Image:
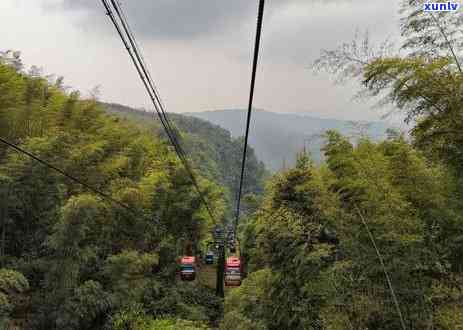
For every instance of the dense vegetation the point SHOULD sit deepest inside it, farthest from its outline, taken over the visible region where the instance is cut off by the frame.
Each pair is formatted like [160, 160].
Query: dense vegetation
[317, 245]
[306, 277]
[370, 239]
[212, 149]
[72, 259]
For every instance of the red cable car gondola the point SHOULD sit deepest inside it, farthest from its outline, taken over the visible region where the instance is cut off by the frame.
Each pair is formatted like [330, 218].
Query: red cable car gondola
[188, 268]
[233, 271]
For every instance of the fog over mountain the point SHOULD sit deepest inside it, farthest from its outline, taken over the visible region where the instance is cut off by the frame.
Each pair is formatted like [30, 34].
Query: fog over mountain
[278, 137]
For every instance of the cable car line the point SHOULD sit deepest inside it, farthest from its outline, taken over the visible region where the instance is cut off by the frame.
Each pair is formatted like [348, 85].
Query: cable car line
[383, 266]
[149, 85]
[260, 17]
[132, 50]
[233, 267]
[129, 41]
[157, 99]
[123, 19]
[130, 44]
[139, 68]
[67, 175]
[251, 96]
[127, 37]
[139, 65]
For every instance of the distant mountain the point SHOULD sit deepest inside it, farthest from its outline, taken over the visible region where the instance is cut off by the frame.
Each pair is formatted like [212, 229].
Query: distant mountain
[277, 137]
[211, 148]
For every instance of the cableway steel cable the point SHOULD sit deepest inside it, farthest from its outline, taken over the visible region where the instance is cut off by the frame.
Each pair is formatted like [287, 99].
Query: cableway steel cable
[260, 17]
[171, 132]
[154, 95]
[67, 175]
[383, 266]
[139, 64]
[131, 46]
[135, 45]
[251, 96]
[123, 19]
[144, 75]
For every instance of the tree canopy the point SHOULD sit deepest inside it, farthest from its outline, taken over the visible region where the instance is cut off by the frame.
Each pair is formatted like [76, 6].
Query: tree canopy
[372, 238]
[72, 258]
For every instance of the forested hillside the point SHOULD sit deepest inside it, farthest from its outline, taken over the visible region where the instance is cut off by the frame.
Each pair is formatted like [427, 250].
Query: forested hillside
[278, 137]
[373, 237]
[311, 262]
[78, 258]
[216, 154]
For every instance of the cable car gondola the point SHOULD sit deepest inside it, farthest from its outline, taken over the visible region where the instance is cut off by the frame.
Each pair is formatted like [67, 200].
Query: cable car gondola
[188, 268]
[233, 271]
[209, 259]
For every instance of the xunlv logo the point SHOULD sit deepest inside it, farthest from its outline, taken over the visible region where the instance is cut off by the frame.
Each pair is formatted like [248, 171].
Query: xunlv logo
[441, 6]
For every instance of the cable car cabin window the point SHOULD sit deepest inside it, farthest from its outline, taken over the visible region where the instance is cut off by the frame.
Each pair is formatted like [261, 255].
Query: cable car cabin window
[209, 258]
[187, 268]
[233, 277]
[187, 272]
[233, 270]
[188, 264]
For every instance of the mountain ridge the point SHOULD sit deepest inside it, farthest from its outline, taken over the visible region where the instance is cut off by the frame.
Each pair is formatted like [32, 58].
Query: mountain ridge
[278, 137]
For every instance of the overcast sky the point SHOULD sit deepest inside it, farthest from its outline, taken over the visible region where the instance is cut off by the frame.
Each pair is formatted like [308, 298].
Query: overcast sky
[199, 51]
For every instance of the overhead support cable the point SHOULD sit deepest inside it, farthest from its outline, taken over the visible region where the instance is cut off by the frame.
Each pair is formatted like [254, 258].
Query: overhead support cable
[383, 266]
[126, 35]
[67, 175]
[130, 46]
[260, 17]
[136, 49]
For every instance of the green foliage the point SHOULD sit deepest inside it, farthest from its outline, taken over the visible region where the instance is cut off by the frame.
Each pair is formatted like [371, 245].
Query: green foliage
[186, 301]
[12, 281]
[88, 260]
[409, 194]
[134, 319]
[129, 274]
[297, 208]
[313, 265]
[235, 320]
[173, 324]
[430, 35]
[12, 285]
[86, 308]
[247, 305]
[426, 85]
[212, 150]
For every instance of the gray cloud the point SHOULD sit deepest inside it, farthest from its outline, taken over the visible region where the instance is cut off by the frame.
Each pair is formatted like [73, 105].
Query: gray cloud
[186, 19]
[200, 50]
[171, 19]
[298, 35]
[295, 30]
